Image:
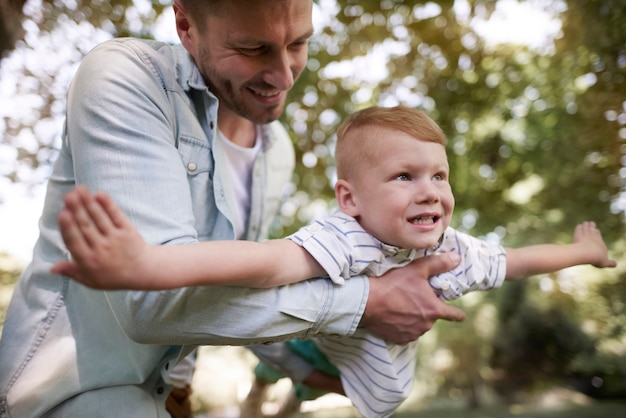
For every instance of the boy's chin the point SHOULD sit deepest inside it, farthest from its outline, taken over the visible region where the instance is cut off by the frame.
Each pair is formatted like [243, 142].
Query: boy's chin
[431, 244]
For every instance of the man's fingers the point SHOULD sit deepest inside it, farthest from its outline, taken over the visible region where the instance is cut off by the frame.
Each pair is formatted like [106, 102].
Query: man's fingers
[451, 313]
[437, 264]
[441, 263]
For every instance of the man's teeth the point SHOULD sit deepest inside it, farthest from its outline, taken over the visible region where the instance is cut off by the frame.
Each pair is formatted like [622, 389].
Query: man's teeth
[265, 93]
[423, 220]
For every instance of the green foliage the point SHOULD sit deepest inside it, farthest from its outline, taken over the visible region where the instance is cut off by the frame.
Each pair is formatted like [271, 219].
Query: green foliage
[511, 114]
[537, 342]
[57, 34]
[604, 373]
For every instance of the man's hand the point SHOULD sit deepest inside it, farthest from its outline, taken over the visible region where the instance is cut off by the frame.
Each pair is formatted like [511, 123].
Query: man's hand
[402, 306]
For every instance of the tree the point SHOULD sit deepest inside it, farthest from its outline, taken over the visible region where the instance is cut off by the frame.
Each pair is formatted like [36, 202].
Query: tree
[35, 76]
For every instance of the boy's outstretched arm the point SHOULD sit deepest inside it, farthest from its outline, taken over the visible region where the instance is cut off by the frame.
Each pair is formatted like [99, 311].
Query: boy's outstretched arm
[109, 253]
[588, 247]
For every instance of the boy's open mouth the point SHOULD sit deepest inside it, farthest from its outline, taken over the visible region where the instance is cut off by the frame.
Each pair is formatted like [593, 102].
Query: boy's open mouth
[424, 220]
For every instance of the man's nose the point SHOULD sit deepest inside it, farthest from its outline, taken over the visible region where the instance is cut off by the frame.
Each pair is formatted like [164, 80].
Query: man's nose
[279, 72]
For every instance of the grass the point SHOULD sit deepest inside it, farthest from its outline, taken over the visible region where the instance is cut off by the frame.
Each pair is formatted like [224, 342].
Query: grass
[605, 409]
[595, 410]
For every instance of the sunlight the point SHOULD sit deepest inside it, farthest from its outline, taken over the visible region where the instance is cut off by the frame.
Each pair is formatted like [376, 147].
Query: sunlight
[533, 23]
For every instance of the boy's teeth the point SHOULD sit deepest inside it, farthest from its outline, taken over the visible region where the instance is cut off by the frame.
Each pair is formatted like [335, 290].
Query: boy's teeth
[423, 220]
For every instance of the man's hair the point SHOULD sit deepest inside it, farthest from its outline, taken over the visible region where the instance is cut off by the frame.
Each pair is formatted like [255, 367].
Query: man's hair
[200, 9]
[415, 123]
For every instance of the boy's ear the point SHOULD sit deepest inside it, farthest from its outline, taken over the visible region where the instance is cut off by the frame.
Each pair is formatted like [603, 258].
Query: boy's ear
[345, 198]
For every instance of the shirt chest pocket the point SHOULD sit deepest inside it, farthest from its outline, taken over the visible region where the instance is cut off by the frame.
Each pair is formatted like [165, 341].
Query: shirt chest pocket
[197, 158]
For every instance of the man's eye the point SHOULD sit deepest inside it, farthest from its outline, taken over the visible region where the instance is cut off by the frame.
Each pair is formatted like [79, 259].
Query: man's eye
[252, 51]
[299, 44]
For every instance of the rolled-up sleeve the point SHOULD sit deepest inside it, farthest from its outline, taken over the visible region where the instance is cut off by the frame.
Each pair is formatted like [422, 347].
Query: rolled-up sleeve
[240, 316]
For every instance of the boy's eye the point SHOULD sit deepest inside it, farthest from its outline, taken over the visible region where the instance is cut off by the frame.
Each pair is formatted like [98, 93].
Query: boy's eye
[439, 177]
[403, 177]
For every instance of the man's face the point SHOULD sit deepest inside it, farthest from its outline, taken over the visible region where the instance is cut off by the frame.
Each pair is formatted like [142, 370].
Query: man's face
[251, 53]
[401, 192]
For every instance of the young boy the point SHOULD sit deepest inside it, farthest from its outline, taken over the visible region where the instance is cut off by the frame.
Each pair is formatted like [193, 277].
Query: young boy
[395, 205]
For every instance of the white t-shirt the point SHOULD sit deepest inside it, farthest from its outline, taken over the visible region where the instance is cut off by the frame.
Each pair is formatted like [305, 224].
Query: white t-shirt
[240, 161]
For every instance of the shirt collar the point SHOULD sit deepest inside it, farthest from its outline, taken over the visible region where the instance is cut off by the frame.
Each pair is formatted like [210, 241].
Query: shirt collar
[188, 74]
[392, 250]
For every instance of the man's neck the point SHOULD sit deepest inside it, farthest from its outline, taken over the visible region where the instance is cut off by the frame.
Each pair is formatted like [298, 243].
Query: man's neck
[237, 129]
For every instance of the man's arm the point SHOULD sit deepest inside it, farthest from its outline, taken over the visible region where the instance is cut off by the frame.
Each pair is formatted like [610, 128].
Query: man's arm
[588, 247]
[109, 253]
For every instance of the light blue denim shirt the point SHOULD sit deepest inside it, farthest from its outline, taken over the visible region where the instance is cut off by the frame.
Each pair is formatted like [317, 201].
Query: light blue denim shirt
[140, 125]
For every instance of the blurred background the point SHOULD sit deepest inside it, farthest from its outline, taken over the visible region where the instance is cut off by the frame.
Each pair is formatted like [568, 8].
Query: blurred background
[532, 97]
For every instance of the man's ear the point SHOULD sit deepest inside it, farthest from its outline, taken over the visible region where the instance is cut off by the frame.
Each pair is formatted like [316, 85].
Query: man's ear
[345, 198]
[183, 25]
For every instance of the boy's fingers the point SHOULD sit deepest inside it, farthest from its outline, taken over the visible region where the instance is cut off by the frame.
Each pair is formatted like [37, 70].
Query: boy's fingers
[98, 218]
[66, 268]
[84, 221]
[112, 210]
[71, 233]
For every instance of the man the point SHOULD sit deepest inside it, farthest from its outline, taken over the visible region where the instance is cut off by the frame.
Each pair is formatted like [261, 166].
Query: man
[143, 123]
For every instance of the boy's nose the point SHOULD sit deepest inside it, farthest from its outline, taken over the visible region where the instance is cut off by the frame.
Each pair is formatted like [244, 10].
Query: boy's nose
[426, 193]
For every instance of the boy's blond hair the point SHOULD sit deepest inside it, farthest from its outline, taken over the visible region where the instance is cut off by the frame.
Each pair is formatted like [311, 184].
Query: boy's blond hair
[351, 151]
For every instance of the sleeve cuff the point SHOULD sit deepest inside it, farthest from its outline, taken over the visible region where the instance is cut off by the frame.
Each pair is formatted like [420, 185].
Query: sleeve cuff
[345, 307]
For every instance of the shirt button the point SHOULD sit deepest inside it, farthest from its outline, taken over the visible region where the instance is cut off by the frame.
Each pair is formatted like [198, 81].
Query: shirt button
[211, 125]
[160, 390]
[192, 166]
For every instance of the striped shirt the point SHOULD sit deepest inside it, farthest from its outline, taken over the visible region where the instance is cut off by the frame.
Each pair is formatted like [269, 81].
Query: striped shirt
[377, 376]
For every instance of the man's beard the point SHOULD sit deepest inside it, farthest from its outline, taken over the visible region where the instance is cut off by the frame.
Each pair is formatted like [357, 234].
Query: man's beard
[236, 103]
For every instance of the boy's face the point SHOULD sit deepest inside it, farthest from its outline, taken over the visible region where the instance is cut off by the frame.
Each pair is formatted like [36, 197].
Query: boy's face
[401, 194]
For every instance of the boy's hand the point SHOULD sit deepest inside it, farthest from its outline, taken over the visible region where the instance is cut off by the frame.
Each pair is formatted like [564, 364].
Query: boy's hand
[402, 306]
[104, 244]
[588, 235]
